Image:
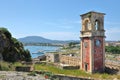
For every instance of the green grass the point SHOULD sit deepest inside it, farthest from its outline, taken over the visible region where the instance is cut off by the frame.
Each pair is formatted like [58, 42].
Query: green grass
[17, 64]
[77, 73]
[56, 70]
[5, 66]
[32, 73]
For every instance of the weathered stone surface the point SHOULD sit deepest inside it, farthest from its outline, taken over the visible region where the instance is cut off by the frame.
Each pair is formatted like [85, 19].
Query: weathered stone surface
[13, 75]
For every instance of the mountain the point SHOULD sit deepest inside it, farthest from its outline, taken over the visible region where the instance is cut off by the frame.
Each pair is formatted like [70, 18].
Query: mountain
[34, 39]
[38, 39]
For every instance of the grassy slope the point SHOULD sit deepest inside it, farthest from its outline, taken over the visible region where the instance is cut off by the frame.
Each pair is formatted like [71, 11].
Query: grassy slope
[42, 67]
[77, 73]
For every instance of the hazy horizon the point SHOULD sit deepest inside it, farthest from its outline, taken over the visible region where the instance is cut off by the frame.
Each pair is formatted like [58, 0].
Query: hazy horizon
[58, 39]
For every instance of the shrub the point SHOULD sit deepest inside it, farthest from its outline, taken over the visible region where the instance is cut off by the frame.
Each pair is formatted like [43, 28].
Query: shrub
[4, 66]
[13, 50]
[6, 32]
[32, 73]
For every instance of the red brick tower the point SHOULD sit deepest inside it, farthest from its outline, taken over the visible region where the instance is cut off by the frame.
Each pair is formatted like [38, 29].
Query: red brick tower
[92, 42]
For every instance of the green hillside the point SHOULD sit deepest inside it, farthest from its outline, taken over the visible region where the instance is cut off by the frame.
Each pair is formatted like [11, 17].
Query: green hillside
[11, 49]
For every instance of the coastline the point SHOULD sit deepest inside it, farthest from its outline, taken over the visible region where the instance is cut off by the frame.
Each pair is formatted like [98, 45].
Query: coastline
[34, 49]
[43, 44]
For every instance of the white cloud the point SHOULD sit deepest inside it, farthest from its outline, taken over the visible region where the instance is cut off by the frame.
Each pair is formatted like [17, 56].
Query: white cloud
[64, 24]
[113, 33]
[65, 27]
[113, 30]
[78, 22]
[112, 23]
[60, 35]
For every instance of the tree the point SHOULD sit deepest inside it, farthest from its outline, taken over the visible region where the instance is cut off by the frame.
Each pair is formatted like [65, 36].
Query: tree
[12, 50]
[113, 49]
[72, 44]
[6, 32]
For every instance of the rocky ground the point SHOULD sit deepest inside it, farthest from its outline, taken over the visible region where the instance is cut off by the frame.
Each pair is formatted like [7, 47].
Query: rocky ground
[13, 75]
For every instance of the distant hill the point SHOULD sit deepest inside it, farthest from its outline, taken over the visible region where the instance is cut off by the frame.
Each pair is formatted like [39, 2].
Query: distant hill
[34, 39]
[38, 39]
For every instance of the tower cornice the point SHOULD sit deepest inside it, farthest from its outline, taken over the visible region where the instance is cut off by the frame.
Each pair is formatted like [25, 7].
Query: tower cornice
[92, 12]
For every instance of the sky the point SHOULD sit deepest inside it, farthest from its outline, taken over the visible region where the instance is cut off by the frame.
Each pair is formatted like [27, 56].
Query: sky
[56, 19]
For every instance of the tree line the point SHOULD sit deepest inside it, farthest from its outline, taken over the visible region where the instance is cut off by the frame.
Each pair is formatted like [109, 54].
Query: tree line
[113, 49]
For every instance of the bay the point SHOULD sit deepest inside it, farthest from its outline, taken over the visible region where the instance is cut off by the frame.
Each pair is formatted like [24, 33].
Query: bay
[34, 49]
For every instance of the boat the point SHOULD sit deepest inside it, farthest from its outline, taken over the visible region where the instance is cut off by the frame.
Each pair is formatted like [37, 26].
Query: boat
[39, 52]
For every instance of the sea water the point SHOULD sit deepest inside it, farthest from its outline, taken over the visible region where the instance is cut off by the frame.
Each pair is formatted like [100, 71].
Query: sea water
[34, 49]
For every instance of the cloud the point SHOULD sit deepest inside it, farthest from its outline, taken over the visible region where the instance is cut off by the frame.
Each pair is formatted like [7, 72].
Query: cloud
[113, 33]
[60, 35]
[113, 30]
[64, 24]
[78, 22]
[65, 27]
[112, 23]
[56, 30]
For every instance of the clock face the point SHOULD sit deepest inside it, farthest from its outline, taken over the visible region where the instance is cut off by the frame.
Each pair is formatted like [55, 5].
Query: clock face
[97, 43]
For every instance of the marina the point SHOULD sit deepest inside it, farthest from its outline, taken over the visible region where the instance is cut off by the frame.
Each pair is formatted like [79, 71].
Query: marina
[36, 51]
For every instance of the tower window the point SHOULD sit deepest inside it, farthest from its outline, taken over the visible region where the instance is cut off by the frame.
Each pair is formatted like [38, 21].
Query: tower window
[97, 25]
[85, 44]
[94, 51]
[87, 25]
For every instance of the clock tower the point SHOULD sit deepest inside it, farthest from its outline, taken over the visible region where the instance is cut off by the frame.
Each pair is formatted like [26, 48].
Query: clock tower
[92, 42]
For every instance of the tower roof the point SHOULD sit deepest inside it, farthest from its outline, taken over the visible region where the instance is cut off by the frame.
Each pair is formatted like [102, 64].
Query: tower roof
[92, 12]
